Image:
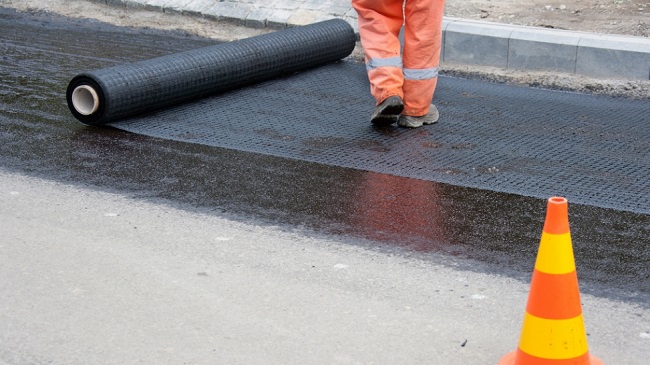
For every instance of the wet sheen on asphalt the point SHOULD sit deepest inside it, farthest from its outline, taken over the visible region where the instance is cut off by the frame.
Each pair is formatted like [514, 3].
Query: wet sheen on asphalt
[497, 232]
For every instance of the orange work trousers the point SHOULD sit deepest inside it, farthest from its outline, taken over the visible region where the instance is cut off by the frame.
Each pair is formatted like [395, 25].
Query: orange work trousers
[412, 75]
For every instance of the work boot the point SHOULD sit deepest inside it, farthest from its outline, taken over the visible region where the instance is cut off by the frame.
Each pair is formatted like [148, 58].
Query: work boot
[388, 111]
[408, 121]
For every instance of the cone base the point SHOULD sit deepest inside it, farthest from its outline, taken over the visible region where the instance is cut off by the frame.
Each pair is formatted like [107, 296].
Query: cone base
[509, 359]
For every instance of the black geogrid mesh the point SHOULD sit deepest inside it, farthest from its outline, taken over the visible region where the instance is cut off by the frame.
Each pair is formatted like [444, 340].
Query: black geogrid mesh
[129, 89]
[591, 149]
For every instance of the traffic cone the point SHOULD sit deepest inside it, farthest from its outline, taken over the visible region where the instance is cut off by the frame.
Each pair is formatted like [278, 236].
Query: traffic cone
[553, 332]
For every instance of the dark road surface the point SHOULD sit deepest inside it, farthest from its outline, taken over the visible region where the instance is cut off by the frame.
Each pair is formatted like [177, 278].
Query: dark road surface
[497, 232]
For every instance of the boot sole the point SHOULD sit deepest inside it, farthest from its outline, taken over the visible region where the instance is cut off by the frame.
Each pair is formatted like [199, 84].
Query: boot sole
[387, 115]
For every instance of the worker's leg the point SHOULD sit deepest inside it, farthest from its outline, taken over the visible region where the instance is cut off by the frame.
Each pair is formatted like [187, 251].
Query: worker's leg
[422, 44]
[379, 25]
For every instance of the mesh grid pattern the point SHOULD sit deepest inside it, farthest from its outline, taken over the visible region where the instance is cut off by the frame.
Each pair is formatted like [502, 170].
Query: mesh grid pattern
[130, 89]
[593, 150]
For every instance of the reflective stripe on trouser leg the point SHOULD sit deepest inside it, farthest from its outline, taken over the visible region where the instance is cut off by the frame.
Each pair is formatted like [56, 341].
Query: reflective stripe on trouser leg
[386, 77]
[422, 44]
[379, 26]
[418, 94]
[419, 86]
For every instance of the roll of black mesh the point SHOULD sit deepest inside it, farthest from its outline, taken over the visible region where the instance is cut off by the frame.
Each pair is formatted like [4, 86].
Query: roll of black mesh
[118, 92]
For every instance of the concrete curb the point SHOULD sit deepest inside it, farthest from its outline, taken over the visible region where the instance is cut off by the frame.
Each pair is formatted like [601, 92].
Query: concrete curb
[465, 42]
[529, 48]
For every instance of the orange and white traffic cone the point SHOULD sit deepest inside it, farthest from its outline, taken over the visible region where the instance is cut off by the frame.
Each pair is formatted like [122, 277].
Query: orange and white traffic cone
[553, 332]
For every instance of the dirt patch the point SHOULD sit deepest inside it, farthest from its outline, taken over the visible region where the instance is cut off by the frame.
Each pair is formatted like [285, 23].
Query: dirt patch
[623, 17]
[133, 17]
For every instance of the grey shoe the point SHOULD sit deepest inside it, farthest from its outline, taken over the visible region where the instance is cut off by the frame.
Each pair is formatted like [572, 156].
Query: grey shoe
[408, 121]
[388, 111]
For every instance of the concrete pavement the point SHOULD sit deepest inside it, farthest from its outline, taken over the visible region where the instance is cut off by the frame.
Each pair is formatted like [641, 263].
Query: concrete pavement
[92, 277]
[465, 42]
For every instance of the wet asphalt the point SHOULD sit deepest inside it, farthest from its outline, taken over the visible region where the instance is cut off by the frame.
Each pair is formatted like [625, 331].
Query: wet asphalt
[477, 229]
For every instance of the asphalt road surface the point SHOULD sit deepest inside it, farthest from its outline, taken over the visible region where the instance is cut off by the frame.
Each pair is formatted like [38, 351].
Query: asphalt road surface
[121, 248]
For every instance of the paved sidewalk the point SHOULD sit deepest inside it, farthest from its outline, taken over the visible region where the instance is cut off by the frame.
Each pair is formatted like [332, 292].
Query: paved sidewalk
[465, 42]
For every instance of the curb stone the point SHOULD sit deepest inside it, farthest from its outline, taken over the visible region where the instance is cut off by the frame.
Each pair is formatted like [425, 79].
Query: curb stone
[465, 42]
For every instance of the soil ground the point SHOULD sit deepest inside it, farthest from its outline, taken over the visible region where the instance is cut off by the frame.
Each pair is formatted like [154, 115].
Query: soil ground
[623, 17]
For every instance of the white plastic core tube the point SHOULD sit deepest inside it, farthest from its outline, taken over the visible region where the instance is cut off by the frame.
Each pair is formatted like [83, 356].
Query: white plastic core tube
[85, 99]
